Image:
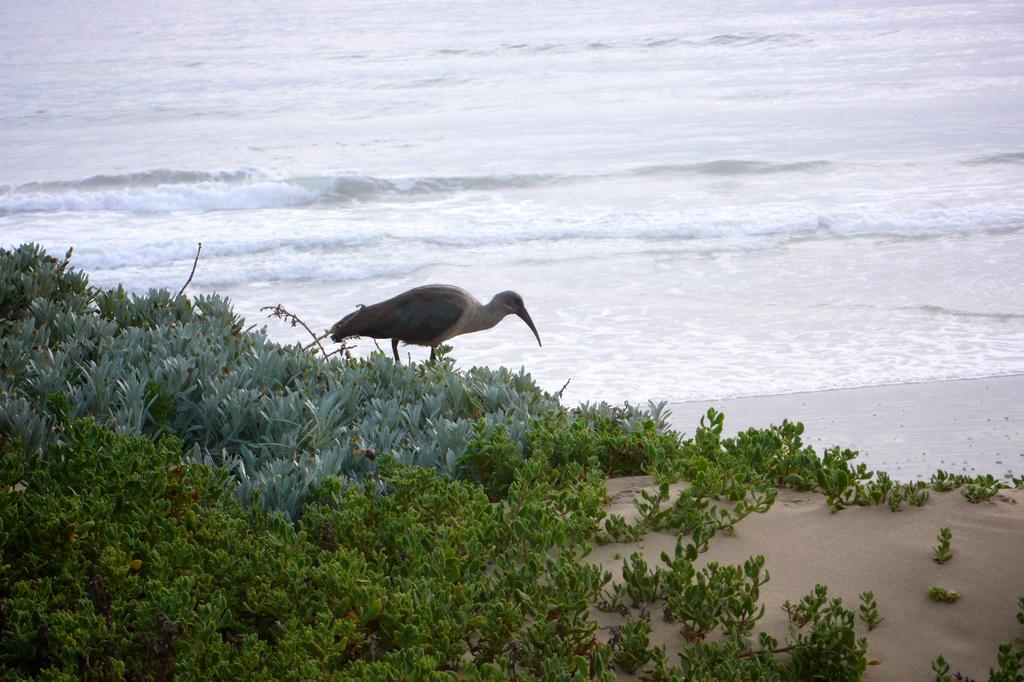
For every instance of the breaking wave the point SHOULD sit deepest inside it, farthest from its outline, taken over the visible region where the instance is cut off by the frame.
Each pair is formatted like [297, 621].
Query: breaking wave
[332, 248]
[729, 40]
[183, 190]
[950, 312]
[1015, 158]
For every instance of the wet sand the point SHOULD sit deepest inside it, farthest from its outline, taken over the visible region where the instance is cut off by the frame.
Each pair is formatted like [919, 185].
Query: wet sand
[972, 426]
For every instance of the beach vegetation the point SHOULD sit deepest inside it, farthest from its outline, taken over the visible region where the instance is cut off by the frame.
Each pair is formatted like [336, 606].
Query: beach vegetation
[280, 418]
[181, 495]
[120, 559]
[943, 594]
[830, 649]
[916, 493]
[803, 611]
[617, 529]
[975, 488]
[630, 643]
[942, 671]
[642, 585]
[869, 610]
[942, 550]
[715, 596]
[613, 599]
[943, 481]
[981, 488]
[1010, 662]
[879, 490]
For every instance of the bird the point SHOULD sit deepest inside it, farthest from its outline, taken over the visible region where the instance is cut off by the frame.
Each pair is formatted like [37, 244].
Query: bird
[430, 315]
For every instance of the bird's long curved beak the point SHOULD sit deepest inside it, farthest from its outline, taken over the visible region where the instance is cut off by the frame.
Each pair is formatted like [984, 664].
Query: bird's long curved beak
[529, 322]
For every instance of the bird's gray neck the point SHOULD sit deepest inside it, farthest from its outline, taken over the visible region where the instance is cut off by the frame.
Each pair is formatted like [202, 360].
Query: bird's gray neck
[485, 316]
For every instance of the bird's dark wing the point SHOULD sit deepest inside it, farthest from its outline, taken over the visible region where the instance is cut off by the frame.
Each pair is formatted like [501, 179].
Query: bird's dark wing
[422, 317]
[417, 316]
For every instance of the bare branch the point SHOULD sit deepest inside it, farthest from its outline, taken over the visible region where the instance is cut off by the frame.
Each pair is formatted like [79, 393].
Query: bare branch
[558, 395]
[280, 312]
[344, 350]
[191, 274]
[316, 340]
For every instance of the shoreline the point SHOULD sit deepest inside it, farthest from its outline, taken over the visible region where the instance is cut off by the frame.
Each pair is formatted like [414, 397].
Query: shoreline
[968, 426]
[850, 388]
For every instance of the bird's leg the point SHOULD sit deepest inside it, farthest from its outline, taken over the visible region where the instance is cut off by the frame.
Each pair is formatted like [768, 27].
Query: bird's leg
[431, 353]
[394, 349]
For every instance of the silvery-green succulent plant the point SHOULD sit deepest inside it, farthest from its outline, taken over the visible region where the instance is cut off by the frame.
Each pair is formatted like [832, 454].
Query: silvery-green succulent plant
[281, 418]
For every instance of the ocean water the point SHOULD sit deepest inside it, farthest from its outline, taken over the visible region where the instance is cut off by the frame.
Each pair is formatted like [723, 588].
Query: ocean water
[695, 201]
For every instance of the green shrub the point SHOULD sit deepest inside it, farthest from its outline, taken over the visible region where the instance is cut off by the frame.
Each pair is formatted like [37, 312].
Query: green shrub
[624, 441]
[631, 645]
[869, 610]
[280, 418]
[941, 594]
[942, 550]
[831, 649]
[118, 560]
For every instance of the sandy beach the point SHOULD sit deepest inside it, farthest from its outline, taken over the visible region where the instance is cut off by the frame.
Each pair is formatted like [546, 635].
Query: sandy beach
[868, 548]
[969, 426]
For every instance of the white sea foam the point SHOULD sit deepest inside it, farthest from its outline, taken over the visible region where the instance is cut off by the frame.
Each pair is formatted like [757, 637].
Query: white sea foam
[297, 244]
[202, 196]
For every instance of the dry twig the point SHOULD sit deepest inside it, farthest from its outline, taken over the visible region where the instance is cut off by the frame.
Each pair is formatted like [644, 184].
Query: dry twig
[191, 274]
[316, 340]
[558, 395]
[280, 312]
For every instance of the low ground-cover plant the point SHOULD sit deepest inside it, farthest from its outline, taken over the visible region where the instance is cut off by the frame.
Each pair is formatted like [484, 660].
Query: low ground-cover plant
[624, 441]
[869, 610]
[982, 488]
[942, 594]
[630, 643]
[830, 650]
[942, 551]
[642, 585]
[941, 669]
[822, 646]
[120, 561]
[975, 488]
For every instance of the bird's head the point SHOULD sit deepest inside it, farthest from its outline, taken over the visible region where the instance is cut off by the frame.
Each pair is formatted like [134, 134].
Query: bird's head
[511, 303]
